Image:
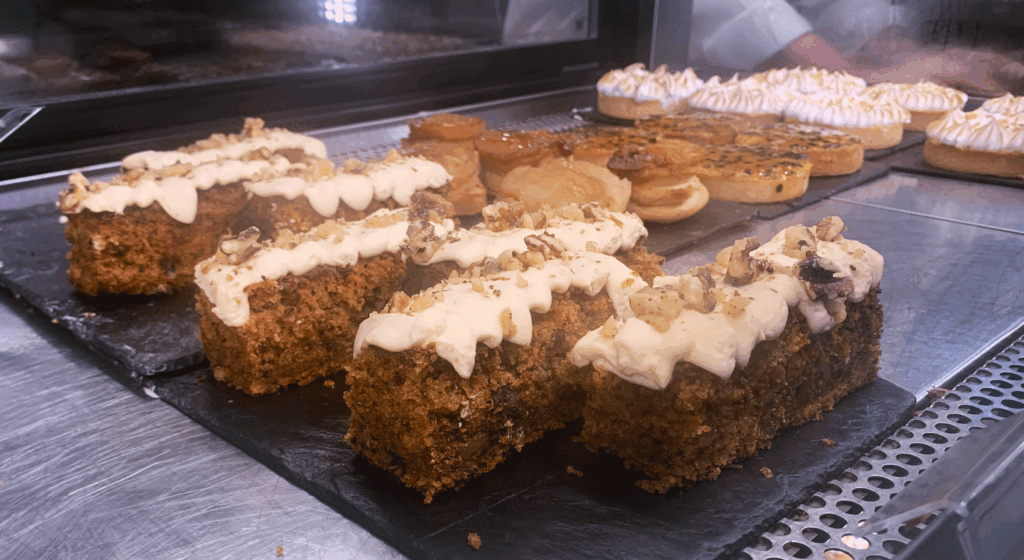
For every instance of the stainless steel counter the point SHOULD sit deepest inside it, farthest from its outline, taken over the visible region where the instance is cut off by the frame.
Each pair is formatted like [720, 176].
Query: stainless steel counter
[92, 469]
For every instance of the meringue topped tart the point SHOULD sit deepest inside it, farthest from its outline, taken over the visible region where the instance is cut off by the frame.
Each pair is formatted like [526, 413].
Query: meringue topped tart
[805, 81]
[926, 101]
[877, 122]
[748, 99]
[976, 142]
[1009, 105]
[635, 92]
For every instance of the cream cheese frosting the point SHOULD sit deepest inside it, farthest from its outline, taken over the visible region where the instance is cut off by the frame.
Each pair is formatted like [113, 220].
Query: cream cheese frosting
[272, 140]
[1008, 104]
[979, 130]
[739, 96]
[636, 82]
[608, 233]
[494, 308]
[396, 178]
[177, 195]
[920, 97]
[331, 244]
[854, 111]
[721, 336]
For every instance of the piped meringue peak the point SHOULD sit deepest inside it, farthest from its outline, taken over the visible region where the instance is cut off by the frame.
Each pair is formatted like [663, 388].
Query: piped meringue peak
[636, 82]
[854, 111]
[979, 130]
[1009, 105]
[749, 97]
[920, 97]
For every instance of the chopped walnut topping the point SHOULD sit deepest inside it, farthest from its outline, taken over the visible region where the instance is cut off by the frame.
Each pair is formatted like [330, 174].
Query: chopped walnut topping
[628, 282]
[329, 228]
[423, 241]
[399, 303]
[741, 268]
[385, 220]
[286, 239]
[610, 328]
[532, 258]
[502, 216]
[508, 327]
[830, 229]
[539, 219]
[521, 282]
[819, 279]
[478, 285]
[572, 212]
[178, 170]
[239, 248]
[660, 323]
[253, 128]
[353, 165]
[800, 242]
[734, 307]
[422, 302]
[508, 261]
[431, 206]
[697, 293]
[656, 302]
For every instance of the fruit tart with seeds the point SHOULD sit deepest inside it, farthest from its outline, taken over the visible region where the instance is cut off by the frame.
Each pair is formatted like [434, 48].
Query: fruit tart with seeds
[831, 151]
[597, 144]
[664, 187]
[757, 174]
[698, 127]
[502, 151]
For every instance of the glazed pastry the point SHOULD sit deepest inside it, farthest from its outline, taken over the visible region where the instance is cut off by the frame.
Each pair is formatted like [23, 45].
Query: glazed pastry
[502, 151]
[831, 152]
[696, 127]
[447, 139]
[560, 181]
[757, 174]
[597, 144]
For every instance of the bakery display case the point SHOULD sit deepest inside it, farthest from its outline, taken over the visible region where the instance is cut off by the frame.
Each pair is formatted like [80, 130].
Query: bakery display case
[123, 441]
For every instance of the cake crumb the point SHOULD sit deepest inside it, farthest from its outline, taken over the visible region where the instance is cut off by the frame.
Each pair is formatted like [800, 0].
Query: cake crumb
[572, 470]
[279, 552]
[936, 393]
[200, 379]
[767, 472]
[88, 315]
[54, 321]
[829, 442]
[329, 383]
[474, 541]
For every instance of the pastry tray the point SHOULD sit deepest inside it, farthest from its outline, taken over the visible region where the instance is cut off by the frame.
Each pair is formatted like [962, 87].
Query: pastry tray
[140, 335]
[912, 161]
[531, 506]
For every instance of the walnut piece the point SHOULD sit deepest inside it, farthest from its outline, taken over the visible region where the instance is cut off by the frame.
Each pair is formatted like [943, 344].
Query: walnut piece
[656, 302]
[734, 307]
[239, 248]
[819, 279]
[800, 242]
[830, 229]
[423, 241]
[508, 326]
[741, 268]
[502, 216]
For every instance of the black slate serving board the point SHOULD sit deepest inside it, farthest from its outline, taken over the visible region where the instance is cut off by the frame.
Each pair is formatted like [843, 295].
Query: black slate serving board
[140, 335]
[912, 161]
[824, 187]
[530, 506]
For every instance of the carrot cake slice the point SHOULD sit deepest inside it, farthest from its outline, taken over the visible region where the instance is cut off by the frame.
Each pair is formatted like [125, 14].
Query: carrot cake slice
[284, 311]
[446, 384]
[703, 369]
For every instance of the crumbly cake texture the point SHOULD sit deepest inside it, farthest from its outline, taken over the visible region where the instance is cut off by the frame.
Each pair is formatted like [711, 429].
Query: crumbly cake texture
[144, 250]
[414, 416]
[682, 377]
[700, 423]
[300, 328]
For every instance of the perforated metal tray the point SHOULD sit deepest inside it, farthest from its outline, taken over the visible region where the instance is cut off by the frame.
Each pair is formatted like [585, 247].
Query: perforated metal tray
[820, 528]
